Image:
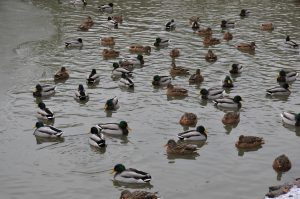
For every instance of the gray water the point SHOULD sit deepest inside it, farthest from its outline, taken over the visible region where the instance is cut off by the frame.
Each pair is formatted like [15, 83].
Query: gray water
[32, 41]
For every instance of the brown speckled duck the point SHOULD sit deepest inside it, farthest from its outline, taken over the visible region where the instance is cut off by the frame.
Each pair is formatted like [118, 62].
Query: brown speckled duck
[180, 149]
[178, 70]
[247, 142]
[282, 164]
[118, 18]
[250, 47]
[107, 41]
[227, 36]
[210, 56]
[209, 41]
[136, 48]
[137, 195]
[86, 24]
[196, 78]
[106, 53]
[62, 74]
[176, 91]
[175, 53]
[188, 119]
[231, 118]
[267, 26]
[204, 32]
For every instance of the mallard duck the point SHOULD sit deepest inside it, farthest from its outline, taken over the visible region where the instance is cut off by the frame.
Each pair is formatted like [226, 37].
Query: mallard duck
[282, 90]
[97, 138]
[246, 142]
[286, 76]
[86, 24]
[232, 103]
[175, 53]
[282, 163]
[196, 78]
[205, 32]
[194, 19]
[106, 8]
[178, 70]
[236, 68]
[248, 47]
[195, 26]
[74, 44]
[138, 195]
[62, 74]
[244, 13]
[291, 44]
[125, 81]
[81, 94]
[161, 42]
[210, 56]
[46, 131]
[93, 77]
[267, 26]
[106, 53]
[133, 61]
[130, 175]
[227, 82]
[112, 104]
[212, 93]
[159, 80]
[118, 18]
[139, 49]
[112, 23]
[170, 25]
[180, 149]
[107, 41]
[188, 119]
[291, 118]
[209, 41]
[227, 36]
[227, 24]
[114, 128]
[231, 118]
[176, 91]
[44, 90]
[44, 113]
[199, 134]
[118, 71]
[79, 2]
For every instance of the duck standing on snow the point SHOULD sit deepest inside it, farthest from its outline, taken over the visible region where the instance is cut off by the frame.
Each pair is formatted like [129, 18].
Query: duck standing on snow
[97, 138]
[44, 113]
[112, 23]
[291, 44]
[125, 81]
[130, 175]
[112, 104]
[46, 131]
[199, 134]
[180, 149]
[171, 25]
[291, 118]
[159, 42]
[44, 90]
[282, 90]
[114, 128]
[74, 44]
[212, 93]
[93, 77]
[159, 80]
[286, 76]
[106, 8]
[231, 103]
[81, 94]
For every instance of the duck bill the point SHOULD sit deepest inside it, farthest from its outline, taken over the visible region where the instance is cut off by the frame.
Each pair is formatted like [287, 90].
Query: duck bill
[105, 107]
[112, 171]
[129, 129]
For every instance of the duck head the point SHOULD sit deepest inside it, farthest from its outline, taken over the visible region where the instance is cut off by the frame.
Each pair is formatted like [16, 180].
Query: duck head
[39, 124]
[79, 40]
[109, 104]
[204, 91]
[282, 73]
[171, 143]
[80, 88]
[119, 168]
[111, 4]
[237, 99]
[140, 58]
[156, 78]
[198, 72]
[116, 65]
[123, 125]
[94, 130]
[41, 105]
[109, 18]
[287, 38]
[38, 88]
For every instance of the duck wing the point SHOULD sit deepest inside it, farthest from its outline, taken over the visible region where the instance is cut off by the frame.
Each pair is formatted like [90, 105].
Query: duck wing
[289, 116]
[110, 126]
[188, 134]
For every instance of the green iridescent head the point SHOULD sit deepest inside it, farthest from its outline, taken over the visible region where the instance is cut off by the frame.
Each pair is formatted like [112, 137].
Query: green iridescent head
[156, 78]
[297, 117]
[140, 57]
[237, 99]
[39, 124]
[204, 91]
[200, 129]
[119, 168]
[116, 65]
[123, 125]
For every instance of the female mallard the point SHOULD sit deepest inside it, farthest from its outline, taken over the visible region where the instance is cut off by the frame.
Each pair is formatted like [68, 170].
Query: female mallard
[195, 26]
[291, 44]
[97, 138]
[93, 77]
[267, 26]
[231, 118]
[159, 80]
[227, 36]
[46, 131]
[74, 44]
[118, 18]
[170, 25]
[232, 103]
[180, 149]
[210, 41]
[247, 142]
[134, 61]
[107, 41]
[176, 91]
[112, 23]
[188, 119]
[139, 49]
[205, 32]
[196, 78]
[106, 8]
[210, 56]
[81, 94]
[44, 90]
[291, 118]
[212, 93]
[199, 134]
[86, 24]
[282, 90]
[161, 42]
[248, 47]
[282, 163]
[130, 175]
[118, 71]
[106, 53]
[125, 81]
[138, 195]
[114, 128]
[244, 13]
[227, 82]
[112, 104]
[62, 74]
[178, 70]
[236, 68]
[227, 24]
[175, 53]
[286, 76]
[44, 113]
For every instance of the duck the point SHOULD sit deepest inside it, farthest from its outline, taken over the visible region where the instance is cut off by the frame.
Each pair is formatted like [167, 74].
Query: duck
[231, 103]
[291, 118]
[112, 23]
[286, 76]
[236, 69]
[291, 44]
[195, 26]
[194, 19]
[180, 149]
[247, 142]
[114, 128]
[282, 90]
[178, 70]
[231, 118]
[244, 13]
[159, 42]
[176, 91]
[112, 104]
[44, 90]
[44, 113]
[204, 32]
[93, 77]
[46, 131]
[118, 71]
[227, 82]
[118, 18]
[81, 94]
[62, 74]
[267, 26]
[210, 56]
[86, 24]
[79, 2]
[196, 78]
[188, 119]
[282, 163]
[212, 93]
[96, 138]
[227, 36]
[227, 24]
[199, 134]
[107, 41]
[74, 44]
[174, 53]
[133, 60]
[161, 80]
[130, 175]
[106, 53]
[248, 47]
[210, 41]
[139, 49]
[125, 81]
[170, 25]
[126, 194]
[106, 8]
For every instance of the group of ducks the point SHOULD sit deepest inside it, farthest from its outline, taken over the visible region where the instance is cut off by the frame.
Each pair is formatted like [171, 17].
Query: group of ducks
[122, 70]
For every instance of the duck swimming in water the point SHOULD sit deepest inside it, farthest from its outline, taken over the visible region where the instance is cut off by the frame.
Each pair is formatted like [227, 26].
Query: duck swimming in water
[178, 70]
[118, 71]
[130, 175]
[267, 26]
[176, 91]
[247, 142]
[96, 138]
[282, 90]
[212, 93]
[282, 163]
[125, 81]
[159, 42]
[227, 82]
[81, 94]
[247, 47]
[110, 53]
[107, 41]
[291, 118]
[175, 53]
[93, 77]
[210, 41]
[199, 134]
[230, 103]
[112, 104]
[46, 131]
[139, 49]
[159, 80]
[106, 8]
[86, 24]
[74, 44]
[231, 118]
[170, 25]
[44, 90]
[236, 69]
[188, 119]
[196, 78]
[204, 32]
[244, 13]
[286, 76]
[62, 74]
[44, 113]
[180, 149]
[227, 24]
[210, 56]
[112, 23]
[114, 128]
[291, 44]
[227, 36]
